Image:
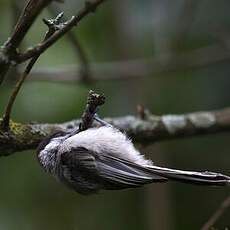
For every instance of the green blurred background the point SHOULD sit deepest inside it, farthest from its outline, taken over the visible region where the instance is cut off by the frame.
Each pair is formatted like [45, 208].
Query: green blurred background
[120, 31]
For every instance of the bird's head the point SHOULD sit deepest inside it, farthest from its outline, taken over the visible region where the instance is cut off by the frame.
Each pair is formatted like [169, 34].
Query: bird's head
[48, 148]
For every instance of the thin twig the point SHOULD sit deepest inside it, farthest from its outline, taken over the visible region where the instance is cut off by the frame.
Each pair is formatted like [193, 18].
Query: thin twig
[32, 9]
[89, 7]
[217, 214]
[93, 102]
[15, 11]
[53, 25]
[30, 12]
[84, 67]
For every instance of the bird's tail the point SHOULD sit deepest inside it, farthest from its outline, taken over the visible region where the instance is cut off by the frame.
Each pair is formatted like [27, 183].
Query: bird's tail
[191, 177]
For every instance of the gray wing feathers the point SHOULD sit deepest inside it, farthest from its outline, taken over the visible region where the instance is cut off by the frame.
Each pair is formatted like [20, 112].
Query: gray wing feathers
[104, 171]
[205, 178]
[115, 171]
[87, 172]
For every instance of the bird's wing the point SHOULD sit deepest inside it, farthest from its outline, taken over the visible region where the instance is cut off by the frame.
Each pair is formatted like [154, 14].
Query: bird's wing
[110, 172]
[192, 177]
[79, 161]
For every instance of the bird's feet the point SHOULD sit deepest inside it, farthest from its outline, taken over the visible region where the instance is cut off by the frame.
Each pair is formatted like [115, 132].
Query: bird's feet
[102, 122]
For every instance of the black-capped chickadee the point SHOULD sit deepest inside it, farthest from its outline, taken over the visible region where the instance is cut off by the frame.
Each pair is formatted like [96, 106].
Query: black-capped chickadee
[105, 158]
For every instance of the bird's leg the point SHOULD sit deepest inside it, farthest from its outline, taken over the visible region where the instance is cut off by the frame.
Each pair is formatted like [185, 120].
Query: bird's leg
[102, 122]
[74, 131]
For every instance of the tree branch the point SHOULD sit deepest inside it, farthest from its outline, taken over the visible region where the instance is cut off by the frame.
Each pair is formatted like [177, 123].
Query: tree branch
[84, 70]
[53, 25]
[16, 12]
[217, 214]
[150, 129]
[89, 7]
[32, 9]
[93, 102]
[137, 68]
[30, 12]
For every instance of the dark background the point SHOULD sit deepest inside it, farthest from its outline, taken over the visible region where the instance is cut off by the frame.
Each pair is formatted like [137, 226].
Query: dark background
[118, 31]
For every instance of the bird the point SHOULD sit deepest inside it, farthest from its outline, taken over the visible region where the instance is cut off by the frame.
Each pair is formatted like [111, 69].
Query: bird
[104, 158]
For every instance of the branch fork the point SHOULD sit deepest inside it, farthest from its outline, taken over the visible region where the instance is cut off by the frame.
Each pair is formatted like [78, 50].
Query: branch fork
[53, 26]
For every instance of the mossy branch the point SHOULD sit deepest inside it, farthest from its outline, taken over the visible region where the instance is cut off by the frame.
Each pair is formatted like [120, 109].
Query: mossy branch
[147, 129]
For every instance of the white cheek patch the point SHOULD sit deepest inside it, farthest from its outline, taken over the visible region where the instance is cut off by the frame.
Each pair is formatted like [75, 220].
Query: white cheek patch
[47, 155]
